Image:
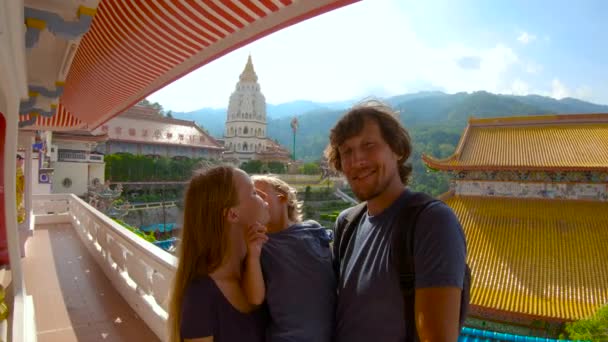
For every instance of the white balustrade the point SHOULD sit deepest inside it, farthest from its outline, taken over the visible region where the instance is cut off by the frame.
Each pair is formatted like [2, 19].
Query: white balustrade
[140, 272]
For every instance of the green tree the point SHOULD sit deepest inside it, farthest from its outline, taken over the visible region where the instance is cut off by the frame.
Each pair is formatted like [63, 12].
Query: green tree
[276, 167]
[445, 150]
[125, 167]
[252, 166]
[594, 328]
[307, 194]
[311, 168]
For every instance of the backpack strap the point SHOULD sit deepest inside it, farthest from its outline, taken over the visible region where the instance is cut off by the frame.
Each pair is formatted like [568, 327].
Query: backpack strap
[406, 265]
[345, 231]
[405, 239]
[404, 248]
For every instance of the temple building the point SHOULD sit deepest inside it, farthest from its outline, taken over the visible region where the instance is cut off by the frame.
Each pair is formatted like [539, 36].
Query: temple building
[532, 196]
[70, 273]
[142, 130]
[245, 136]
[76, 165]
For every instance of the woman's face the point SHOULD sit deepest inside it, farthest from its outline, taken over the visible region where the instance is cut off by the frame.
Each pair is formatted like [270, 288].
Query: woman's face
[251, 208]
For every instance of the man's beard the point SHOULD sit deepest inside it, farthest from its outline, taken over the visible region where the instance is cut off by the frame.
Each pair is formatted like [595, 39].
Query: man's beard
[369, 195]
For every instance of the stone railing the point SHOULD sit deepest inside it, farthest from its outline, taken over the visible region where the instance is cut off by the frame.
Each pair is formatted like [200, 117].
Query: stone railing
[346, 197]
[140, 272]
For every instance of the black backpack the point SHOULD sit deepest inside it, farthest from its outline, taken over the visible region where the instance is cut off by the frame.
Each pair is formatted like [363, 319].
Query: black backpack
[404, 245]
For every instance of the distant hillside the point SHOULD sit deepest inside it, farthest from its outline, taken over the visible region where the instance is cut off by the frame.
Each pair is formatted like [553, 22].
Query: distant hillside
[428, 109]
[296, 108]
[435, 121]
[419, 109]
[214, 119]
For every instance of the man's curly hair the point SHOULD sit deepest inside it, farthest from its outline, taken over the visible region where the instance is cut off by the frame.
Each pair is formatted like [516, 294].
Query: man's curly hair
[393, 133]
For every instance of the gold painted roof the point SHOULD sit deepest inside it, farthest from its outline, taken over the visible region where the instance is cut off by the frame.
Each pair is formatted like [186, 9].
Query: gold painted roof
[565, 142]
[534, 256]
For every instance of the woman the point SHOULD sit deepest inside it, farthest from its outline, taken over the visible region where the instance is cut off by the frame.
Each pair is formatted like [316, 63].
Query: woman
[207, 302]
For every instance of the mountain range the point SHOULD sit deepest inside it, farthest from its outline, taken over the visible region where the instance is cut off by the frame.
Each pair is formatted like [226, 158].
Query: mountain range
[422, 109]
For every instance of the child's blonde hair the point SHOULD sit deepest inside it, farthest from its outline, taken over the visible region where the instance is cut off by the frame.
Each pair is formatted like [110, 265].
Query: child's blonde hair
[294, 207]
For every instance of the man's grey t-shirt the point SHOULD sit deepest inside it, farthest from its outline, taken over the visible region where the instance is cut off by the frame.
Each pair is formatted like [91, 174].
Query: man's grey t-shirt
[300, 284]
[370, 302]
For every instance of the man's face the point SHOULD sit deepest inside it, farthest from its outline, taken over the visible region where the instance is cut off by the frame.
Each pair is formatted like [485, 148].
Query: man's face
[368, 162]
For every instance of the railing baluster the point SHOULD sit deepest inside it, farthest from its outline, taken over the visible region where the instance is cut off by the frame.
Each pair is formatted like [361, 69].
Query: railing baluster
[140, 271]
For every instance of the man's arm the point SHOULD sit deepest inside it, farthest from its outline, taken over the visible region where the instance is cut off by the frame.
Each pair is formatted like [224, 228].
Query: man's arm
[202, 339]
[437, 313]
[439, 256]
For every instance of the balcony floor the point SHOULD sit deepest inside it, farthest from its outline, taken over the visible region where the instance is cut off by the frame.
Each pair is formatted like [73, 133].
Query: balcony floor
[73, 298]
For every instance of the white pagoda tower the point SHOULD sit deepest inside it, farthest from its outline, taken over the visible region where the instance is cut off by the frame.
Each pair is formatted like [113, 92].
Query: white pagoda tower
[245, 135]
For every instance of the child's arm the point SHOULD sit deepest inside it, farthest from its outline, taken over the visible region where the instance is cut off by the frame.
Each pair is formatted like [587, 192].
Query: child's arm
[253, 280]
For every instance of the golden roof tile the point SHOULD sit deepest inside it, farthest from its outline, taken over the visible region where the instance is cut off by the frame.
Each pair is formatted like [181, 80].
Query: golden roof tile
[535, 256]
[554, 142]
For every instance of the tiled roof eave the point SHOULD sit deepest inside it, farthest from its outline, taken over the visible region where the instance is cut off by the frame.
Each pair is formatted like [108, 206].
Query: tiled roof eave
[487, 312]
[464, 167]
[165, 143]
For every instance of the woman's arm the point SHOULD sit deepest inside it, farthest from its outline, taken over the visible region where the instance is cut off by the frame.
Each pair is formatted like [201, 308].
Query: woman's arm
[253, 279]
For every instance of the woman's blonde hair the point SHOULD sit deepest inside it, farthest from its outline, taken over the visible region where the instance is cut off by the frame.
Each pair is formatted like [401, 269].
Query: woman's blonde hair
[204, 240]
[294, 207]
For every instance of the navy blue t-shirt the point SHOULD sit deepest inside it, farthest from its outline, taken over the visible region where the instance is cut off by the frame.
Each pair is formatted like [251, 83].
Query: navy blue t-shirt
[300, 284]
[206, 312]
[370, 302]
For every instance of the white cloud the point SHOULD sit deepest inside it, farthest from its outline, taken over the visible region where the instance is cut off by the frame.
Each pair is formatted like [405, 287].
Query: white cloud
[584, 93]
[334, 57]
[519, 87]
[440, 69]
[526, 38]
[533, 68]
[559, 90]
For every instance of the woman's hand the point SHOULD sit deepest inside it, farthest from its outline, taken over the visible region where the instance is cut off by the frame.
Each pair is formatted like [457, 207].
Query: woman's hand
[256, 237]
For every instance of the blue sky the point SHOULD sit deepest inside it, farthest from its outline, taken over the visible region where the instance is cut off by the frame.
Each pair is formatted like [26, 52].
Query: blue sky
[389, 47]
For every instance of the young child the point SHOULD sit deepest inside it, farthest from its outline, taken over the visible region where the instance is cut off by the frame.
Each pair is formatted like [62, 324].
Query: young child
[299, 283]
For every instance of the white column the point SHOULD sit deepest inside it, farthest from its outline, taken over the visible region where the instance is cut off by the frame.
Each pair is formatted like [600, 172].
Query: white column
[10, 193]
[29, 184]
[13, 88]
[25, 141]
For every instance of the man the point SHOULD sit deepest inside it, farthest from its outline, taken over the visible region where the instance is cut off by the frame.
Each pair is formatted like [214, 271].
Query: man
[370, 147]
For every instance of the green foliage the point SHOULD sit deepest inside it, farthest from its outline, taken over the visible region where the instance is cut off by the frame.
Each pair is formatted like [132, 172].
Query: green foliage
[125, 167]
[276, 167]
[252, 166]
[438, 141]
[258, 166]
[311, 168]
[146, 236]
[307, 193]
[591, 329]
